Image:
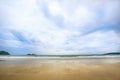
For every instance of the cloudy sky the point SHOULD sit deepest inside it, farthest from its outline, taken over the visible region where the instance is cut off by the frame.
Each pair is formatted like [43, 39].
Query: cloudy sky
[59, 26]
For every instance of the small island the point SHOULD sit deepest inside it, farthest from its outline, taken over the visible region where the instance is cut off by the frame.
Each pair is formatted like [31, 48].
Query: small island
[4, 53]
[31, 54]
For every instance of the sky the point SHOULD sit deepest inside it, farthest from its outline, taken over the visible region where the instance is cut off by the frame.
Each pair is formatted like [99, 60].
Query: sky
[58, 27]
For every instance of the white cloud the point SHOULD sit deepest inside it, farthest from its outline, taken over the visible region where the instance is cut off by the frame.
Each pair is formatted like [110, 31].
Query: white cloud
[81, 31]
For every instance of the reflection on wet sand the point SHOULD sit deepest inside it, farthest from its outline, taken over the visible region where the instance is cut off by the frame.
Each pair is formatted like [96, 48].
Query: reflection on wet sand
[48, 69]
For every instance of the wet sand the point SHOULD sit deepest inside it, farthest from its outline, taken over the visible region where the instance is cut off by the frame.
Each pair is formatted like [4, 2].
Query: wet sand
[78, 69]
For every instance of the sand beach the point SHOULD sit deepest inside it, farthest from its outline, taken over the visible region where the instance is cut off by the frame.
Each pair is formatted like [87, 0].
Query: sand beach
[60, 68]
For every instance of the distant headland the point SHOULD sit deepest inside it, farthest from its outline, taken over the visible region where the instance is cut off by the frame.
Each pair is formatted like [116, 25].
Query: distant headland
[32, 54]
[112, 53]
[4, 53]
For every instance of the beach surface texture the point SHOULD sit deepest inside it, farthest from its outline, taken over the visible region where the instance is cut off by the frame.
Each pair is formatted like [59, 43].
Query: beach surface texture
[80, 68]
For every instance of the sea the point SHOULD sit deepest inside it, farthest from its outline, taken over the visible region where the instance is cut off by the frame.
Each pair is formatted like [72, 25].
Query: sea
[10, 59]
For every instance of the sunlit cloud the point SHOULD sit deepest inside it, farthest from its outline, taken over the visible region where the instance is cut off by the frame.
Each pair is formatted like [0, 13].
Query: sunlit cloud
[59, 26]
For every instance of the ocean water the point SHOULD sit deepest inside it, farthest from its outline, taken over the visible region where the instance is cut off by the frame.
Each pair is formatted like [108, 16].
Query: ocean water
[32, 60]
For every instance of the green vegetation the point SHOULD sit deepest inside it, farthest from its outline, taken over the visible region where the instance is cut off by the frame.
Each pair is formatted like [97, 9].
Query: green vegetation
[31, 54]
[112, 53]
[4, 53]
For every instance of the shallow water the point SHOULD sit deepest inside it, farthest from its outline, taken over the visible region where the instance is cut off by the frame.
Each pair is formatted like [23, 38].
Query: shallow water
[20, 60]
